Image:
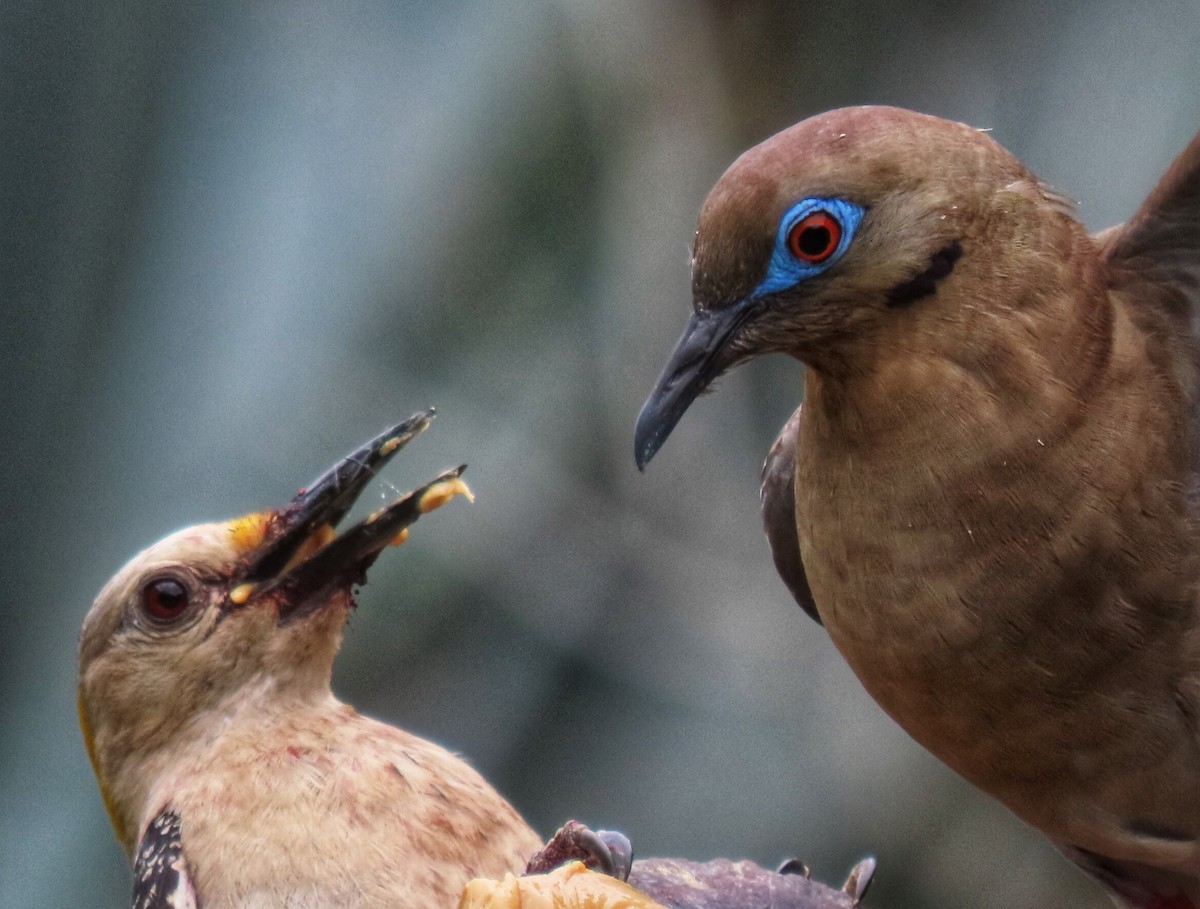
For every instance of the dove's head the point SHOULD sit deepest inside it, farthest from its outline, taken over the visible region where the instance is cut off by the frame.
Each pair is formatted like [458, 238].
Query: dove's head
[848, 234]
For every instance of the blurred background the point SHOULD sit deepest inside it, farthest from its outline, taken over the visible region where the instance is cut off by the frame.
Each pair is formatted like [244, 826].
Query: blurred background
[238, 238]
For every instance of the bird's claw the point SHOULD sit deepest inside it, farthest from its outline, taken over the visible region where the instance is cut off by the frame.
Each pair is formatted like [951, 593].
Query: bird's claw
[794, 866]
[859, 879]
[606, 851]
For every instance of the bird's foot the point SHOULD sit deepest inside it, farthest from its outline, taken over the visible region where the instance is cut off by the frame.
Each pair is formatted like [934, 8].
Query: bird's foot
[606, 851]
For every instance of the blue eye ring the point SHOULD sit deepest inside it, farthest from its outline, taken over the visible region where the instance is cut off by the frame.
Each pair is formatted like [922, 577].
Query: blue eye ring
[813, 234]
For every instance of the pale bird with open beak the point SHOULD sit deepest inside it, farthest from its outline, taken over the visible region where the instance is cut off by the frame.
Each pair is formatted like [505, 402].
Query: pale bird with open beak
[232, 775]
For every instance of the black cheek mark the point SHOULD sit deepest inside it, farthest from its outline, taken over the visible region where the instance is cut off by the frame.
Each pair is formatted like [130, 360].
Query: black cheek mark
[924, 284]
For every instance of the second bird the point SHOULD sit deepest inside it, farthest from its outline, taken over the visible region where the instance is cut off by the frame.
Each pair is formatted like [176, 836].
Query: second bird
[232, 775]
[990, 495]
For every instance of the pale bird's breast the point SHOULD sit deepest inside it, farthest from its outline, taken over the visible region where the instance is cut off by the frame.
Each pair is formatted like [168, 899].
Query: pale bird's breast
[340, 811]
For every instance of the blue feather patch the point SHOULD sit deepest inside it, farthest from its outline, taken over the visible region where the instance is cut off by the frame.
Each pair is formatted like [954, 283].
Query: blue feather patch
[786, 269]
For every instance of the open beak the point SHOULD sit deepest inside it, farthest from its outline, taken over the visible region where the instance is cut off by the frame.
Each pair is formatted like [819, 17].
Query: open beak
[303, 558]
[703, 352]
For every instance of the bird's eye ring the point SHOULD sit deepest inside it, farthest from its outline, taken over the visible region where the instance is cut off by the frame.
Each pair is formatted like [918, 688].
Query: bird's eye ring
[815, 237]
[165, 600]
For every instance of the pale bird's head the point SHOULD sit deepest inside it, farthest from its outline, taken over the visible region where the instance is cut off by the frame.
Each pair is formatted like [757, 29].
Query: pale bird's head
[259, 602]
[857, 231]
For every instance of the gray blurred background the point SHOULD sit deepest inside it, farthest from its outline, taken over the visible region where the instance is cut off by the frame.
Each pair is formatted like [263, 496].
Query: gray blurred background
[238, 238]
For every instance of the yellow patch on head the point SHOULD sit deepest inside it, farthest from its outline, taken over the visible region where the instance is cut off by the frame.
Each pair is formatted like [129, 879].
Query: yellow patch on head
[249, 532]
[389, 446]
[442, 492]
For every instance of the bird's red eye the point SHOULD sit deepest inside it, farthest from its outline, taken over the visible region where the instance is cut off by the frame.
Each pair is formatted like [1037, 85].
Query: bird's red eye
[164, 600]
[815, 237]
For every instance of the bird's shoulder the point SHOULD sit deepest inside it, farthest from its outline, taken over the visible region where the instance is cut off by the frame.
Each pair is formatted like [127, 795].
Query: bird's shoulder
[1153, 260]
[1160, 244]
[1152, 264]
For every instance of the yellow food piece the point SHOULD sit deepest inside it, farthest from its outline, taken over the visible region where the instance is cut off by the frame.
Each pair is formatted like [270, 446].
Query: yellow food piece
[442, 492]
[571, 886]
[389, 446]
[240, 594]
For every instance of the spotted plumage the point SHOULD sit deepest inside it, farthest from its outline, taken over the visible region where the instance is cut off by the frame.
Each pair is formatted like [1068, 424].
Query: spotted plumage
[160, 874]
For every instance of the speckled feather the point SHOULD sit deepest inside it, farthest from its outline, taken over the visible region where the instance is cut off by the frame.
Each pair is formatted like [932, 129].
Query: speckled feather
[160, 875]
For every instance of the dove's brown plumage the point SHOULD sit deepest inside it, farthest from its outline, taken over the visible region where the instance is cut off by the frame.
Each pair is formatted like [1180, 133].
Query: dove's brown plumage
[995, 465]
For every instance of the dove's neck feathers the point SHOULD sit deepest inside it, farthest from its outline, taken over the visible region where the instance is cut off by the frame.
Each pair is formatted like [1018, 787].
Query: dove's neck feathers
[954, 444]
[1013, 342]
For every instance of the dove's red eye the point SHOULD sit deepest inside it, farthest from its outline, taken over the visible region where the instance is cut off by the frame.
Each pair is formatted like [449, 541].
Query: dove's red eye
[164, 600]
[815, 237]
